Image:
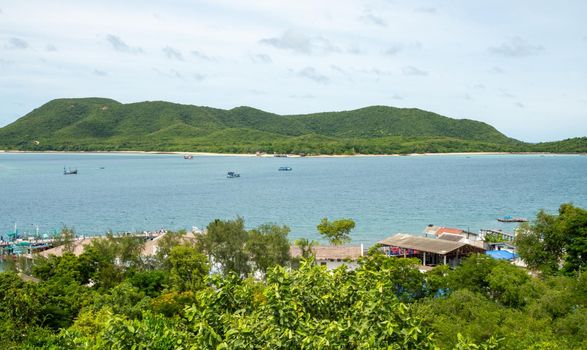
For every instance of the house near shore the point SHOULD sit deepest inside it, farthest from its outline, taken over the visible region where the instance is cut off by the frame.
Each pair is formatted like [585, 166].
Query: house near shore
[332, 256]
[430, 251]
[76, 247]
[505, 250]
[150, 247]
[448, 232]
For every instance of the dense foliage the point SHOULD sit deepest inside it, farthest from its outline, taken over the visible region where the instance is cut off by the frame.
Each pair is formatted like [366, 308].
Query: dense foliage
[555, 242]
[97, 124]
[194, 294]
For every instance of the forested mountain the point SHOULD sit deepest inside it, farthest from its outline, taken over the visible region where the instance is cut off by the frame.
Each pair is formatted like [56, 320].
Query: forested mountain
[94, 124]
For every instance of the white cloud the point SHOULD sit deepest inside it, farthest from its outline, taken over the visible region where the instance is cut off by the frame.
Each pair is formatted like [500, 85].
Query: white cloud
[121, 46]
[414, 71]
[301, 43]
[429, 10]
[261, 58]
[172, 53]
[497, 70]
[396, 48]
[370, 18]
[505, 93]
[516, 47]
[202, 56]
[312, 74]
[17, 43]
[100, 73]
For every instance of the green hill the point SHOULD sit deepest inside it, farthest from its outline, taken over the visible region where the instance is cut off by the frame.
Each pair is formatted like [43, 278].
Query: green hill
[93, 124]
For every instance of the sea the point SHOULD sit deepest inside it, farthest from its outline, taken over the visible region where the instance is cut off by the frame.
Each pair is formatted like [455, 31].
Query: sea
[384, 195]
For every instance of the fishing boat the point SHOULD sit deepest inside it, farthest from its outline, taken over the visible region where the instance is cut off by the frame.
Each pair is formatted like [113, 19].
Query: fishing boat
[188, 156]
[509, 218]
[232, 174]
[284, 168]
[69, 171]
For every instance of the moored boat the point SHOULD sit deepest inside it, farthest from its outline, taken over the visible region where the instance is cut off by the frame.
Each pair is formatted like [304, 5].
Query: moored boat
[188, 156]
[509, 218]
[284, 168]
[69, 171]
[232, 174]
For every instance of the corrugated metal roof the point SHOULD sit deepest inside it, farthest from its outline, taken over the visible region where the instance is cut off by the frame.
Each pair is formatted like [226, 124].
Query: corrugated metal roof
[326, 252]
[449, 230]
[431, 245]
[450, 237]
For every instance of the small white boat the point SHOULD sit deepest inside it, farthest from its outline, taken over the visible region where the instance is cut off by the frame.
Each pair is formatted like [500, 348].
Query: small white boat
[69, 171]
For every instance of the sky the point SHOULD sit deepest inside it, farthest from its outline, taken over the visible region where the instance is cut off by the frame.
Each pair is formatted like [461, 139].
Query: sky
[520, 66]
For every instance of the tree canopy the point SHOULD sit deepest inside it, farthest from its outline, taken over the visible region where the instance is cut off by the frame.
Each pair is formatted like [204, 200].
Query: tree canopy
[553, 243]
[337, 232]
[98, 124]
[111, 298]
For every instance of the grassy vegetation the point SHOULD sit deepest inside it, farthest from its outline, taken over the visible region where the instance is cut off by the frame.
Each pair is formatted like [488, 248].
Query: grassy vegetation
[98, 124]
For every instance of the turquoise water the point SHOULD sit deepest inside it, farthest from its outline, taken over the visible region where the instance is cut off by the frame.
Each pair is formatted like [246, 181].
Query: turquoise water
[384, 195]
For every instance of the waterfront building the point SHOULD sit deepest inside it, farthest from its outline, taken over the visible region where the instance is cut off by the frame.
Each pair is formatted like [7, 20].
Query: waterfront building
[430, 251]
[332, 256]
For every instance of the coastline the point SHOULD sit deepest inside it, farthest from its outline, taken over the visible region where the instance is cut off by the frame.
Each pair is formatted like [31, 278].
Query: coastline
[212, 154]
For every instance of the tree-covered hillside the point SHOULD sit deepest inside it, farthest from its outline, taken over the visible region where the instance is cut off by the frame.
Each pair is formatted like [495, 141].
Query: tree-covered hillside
[96, 124]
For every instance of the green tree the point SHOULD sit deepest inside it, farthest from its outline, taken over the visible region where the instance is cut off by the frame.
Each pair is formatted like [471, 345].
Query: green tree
[101, 254]
[151, 282]
[268, 246]
[67, 265]
[555, 241]
[65, 238]
[164, 246]
[308, 308]
[305, 246]
[541, 244]
[337, 232]
[224, 241]
[573, 221]
[188, 268]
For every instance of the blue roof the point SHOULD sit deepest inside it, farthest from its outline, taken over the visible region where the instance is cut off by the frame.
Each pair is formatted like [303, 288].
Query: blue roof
[501, 254]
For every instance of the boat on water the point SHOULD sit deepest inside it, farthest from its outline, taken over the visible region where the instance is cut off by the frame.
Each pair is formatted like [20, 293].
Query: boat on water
[509, 218]
[232, 174]
[69, 171]
[284, 168]
[188, 156]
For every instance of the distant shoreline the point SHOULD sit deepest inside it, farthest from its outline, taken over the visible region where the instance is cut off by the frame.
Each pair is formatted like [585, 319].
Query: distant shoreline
[212, 154]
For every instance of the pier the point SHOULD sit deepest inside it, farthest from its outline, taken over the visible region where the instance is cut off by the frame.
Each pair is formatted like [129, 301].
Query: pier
[501, 234]
[28, 247]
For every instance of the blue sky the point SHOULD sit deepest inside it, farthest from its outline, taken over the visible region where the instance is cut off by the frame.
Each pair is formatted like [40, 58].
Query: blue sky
[520, 66]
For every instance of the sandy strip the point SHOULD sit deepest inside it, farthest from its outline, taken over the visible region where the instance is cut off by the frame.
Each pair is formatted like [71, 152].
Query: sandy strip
[264, 155]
